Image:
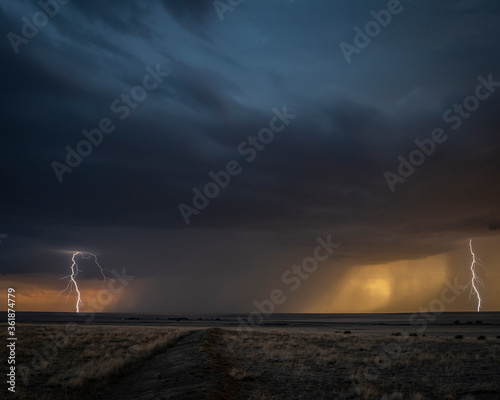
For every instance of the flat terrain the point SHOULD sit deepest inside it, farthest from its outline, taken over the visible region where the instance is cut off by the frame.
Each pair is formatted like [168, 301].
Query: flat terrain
[372, 356]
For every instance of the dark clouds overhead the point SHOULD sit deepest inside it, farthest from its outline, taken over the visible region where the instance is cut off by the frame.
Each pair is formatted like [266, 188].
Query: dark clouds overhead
[322, 174]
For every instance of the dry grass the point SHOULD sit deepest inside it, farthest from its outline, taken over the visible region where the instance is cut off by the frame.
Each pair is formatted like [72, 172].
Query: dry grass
[269, 364]
[304, 364]
[91, 357]
[112, 354]
[243, 375]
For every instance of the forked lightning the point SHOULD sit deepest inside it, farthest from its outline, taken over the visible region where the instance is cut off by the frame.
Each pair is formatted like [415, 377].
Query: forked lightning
[475, 280]
[72, 277]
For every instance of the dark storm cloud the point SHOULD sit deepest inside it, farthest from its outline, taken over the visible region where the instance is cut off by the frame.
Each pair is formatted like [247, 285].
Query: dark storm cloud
[323, 173]
[126, 18]
[191, 15]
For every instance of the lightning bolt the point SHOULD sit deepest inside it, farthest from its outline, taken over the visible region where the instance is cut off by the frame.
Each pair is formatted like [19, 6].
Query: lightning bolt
[475, 281]
[72, 277]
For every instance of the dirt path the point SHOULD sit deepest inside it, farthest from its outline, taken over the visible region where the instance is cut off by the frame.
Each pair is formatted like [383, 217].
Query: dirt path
[225, 387]
[194, 368]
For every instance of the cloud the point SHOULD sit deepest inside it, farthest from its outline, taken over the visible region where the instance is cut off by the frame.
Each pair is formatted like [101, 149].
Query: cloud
[322, 174]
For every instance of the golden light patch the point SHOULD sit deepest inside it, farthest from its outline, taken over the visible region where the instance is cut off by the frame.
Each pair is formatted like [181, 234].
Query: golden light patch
[395, 287]
[378, 288]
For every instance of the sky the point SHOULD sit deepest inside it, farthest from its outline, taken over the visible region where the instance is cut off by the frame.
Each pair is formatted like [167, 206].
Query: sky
[203, 149]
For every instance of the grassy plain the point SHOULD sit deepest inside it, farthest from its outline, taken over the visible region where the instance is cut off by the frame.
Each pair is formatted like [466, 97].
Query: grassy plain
[296, 361]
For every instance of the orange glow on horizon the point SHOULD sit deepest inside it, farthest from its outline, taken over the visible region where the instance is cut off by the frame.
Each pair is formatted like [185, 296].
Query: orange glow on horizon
[400, 286]
[40, 293]
[384, 287]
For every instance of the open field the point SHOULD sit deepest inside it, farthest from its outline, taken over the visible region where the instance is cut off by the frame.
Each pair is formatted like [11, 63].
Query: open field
[311, 357]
